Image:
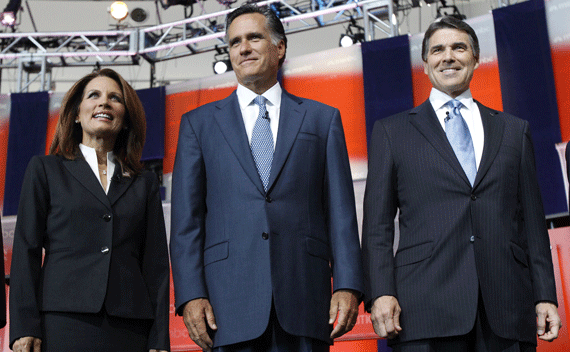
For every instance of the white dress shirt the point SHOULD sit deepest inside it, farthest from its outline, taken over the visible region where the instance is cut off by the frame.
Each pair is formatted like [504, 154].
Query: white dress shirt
[90, 156]
[469, 111]
[250, 110]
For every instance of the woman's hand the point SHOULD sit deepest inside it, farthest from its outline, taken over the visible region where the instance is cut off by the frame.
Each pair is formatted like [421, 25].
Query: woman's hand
[27, 344]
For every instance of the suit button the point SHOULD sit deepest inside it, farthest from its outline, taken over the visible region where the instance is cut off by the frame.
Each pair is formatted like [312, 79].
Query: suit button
[105, 250]
[268, 199]
[265, 235]
[472, 239]
[107, 217]
[473, 197]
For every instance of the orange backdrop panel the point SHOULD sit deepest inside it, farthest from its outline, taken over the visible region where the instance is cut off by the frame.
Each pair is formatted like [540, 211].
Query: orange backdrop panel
[560, 60]
[178, 104]
[4, 130]
[346, 93]
[485, 86]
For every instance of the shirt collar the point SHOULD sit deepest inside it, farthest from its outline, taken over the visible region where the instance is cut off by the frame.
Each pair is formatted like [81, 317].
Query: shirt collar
[438, 99]
[246, 96]
[90, 156]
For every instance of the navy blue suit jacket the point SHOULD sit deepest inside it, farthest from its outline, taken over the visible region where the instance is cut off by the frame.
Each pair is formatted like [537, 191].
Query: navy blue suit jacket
[241, 247]
[455, 238]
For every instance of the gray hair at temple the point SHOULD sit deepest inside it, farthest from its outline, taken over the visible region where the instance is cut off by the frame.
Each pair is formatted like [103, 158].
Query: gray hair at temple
[453, 23]
[272, 22]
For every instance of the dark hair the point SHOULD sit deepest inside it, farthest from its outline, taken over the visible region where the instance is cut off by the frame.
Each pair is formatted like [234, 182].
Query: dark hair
[130, 141]
[454, 23]
[272, 22]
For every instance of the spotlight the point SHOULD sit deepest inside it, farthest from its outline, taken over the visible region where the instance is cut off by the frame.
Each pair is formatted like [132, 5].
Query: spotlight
[354, 34]
[345, 40]
[119, 10]
[8, 18]
[222, 61]
[9, 15]
[139, 15]
[222, 66]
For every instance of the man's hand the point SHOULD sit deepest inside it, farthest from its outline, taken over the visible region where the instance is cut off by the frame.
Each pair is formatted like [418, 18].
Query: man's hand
[547, 321]
[345, 304]
[27, 344]
[197, 313]
[385, 316]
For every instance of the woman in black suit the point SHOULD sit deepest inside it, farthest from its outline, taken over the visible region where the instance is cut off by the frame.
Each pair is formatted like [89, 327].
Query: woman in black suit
[104, 281]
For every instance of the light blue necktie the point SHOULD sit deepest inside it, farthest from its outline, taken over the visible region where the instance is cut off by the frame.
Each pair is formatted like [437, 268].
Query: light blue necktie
[262, 142]
[460, 139]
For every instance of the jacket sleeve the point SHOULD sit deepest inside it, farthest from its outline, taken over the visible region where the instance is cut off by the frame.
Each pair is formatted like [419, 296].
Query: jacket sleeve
[340, 205]
[27, 253]
[540, 258]
[380, 207]
[188, 218]
[156, 270]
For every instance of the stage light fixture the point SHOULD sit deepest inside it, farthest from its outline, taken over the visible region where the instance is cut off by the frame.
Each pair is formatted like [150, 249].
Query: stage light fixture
[8, 18]
[119, 10]
[222, 61]
[139, 15]
[451, 10]
[222, 66]
[354, 34]
[345, 40]
[167, 3]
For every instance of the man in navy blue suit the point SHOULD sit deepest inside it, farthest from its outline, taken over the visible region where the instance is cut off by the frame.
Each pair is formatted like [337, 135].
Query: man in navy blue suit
[263, 209]
[473, 269]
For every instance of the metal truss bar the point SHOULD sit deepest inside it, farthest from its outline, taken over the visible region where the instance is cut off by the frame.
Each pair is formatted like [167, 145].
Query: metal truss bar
[181, 38]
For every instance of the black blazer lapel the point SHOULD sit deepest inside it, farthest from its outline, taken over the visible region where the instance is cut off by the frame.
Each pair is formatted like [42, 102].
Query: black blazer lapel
[493, 128]
[229, 119]
[81, 170]
[291, 118]
[119, 184]
[424, 119]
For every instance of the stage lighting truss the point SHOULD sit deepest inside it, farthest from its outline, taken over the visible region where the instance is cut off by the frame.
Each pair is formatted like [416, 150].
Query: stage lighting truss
[185, 37]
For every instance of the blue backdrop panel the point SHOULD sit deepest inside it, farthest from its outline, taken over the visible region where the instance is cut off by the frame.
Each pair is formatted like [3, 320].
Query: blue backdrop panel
[153, 100]
[26, 138]
[387, 75]
[527, 87]
[383, 346]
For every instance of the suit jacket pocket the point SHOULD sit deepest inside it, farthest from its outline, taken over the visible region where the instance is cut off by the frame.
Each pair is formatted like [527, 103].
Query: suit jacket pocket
[307, 136]
[414, 254]
[519, 254]
[317, 248]
[217, 252]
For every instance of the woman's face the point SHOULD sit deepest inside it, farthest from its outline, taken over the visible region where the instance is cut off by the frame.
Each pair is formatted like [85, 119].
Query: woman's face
[102, 110]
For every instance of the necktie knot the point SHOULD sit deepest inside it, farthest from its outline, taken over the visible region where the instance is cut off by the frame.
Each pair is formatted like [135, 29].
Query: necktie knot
[455, 106]
[259, 100]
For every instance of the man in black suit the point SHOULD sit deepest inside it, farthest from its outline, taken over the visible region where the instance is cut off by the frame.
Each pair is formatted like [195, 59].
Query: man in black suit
[473, 269]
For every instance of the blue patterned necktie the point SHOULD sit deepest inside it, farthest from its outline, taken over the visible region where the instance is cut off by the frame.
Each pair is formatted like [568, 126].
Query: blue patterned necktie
[460, 139]
[262, 142]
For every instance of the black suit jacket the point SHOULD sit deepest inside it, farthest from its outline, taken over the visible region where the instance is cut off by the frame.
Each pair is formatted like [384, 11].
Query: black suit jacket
[454, 238]
[101, 250]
